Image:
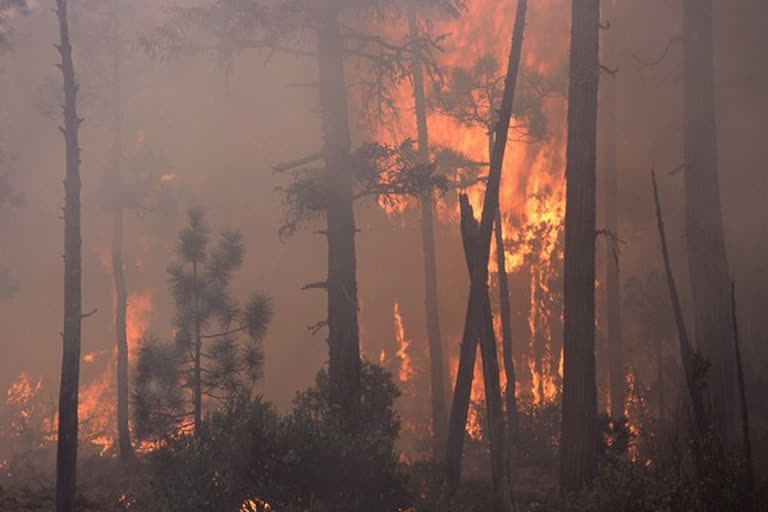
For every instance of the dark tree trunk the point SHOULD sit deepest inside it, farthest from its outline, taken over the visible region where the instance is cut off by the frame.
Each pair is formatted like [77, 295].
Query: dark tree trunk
[344, 350]
[687, 354]
[197, 380]
[613, 275]
[578, 444]
[66, 455]
[506, 339]
[746, 440]
[707, 260]
[477, 312]
[121, 303]
[436, 360]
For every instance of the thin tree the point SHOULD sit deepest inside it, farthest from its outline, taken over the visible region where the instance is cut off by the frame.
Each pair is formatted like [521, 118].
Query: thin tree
[118, 273]
[610, 197]
[578, 442]
[66, 454]
[478, 322]
[746, 440]
[693, 366]
[705, 239]
[438, 377]
[208, 358]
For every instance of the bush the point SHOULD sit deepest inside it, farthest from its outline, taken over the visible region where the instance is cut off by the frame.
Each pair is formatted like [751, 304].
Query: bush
[303, 461]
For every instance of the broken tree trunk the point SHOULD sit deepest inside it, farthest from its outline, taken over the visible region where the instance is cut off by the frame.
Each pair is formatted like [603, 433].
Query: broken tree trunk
[578, 444]
[66, 454]
[478, 296]
[436, 359]
[705, 239]
[343, 341]
[687, 354]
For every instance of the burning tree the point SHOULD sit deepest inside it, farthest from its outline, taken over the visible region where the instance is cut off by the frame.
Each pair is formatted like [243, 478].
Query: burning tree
[203, 362]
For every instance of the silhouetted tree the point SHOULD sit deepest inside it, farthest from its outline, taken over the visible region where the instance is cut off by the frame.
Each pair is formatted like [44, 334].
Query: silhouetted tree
[579, 438]
[66, 456]
[208, 357]
[478, 323]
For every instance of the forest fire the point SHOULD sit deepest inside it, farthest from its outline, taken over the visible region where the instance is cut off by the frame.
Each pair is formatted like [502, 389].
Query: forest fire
[406, 370]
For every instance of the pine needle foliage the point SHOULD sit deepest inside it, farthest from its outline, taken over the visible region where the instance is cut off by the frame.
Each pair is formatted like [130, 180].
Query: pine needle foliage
[215, 355]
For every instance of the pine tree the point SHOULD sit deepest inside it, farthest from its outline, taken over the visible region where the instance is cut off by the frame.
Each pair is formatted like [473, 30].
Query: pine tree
[216, 352]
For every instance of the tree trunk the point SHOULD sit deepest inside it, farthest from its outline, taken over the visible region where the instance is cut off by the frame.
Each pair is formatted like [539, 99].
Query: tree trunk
[613, 275]
[478, 298]
[506, 340]
[688, 357]
[578, 444]
[436, 360]
[121, 303]
[707, 260]
[197, 382]
[746, 440]
[66, 455]
[344, 350]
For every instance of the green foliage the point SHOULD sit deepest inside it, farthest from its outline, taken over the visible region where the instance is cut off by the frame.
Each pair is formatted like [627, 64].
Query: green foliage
[212, 330]
[303, 461]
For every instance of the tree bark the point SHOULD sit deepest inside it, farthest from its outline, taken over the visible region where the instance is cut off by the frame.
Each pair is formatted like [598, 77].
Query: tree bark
[343, 342]
[66, 455]
[506, 340]
[613, 274]
[478, 297]
[121, 302]
[436, 359]
[707, 259]
[578, 444]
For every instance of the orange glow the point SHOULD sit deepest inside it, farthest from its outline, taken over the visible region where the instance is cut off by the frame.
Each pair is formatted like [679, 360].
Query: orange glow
[406, 370]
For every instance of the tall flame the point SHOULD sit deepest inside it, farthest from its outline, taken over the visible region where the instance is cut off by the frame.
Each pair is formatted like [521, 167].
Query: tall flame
[406, 369]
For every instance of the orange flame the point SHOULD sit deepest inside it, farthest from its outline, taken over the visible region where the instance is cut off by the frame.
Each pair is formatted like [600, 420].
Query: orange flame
[406, 370]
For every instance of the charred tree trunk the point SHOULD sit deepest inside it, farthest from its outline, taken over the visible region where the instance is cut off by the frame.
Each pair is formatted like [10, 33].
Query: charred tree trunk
[742, 398]
[707, 260]
[506, 339]
[436, 359]
[478, 298]
[66, 455]
[578, 444]
[344, 349]
[121, 302]
[613, 274]
[687, 354]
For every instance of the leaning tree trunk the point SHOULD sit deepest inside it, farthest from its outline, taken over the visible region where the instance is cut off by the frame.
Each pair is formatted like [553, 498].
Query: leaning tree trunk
[613, 275]
[66, 455]
[478, 297]
[578, 443]
[121, 303]
[436, 360]
[344, 349]
[701, 421]
[506, 339]
[707, 260]
[506, 328]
